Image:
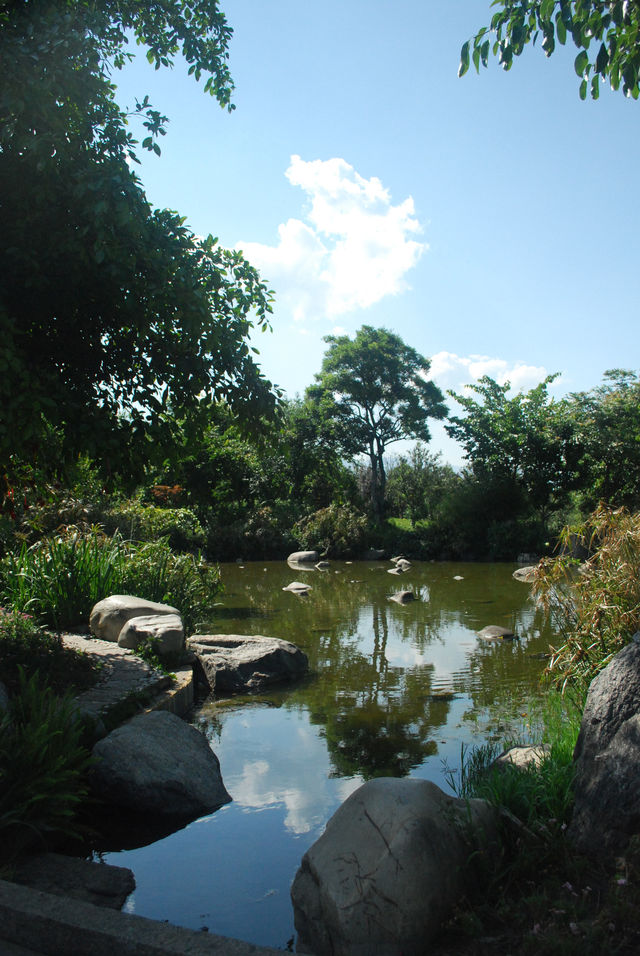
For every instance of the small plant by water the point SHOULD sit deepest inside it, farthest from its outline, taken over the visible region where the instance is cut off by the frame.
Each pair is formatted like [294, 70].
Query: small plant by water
[43, 768]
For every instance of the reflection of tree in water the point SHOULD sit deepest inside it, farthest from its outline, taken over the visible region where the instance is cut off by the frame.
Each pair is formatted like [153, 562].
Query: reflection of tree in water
[379, 718]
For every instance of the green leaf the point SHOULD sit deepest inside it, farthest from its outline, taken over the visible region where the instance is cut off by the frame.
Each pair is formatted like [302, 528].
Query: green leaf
[464, 59]
[581, 62]
[546, 9]
[583, 90]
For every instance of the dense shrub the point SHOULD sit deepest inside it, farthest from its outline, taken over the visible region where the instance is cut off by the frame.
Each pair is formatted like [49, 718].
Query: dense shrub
[595, 606]
[139, 522]
[336, 531]
[43, 768]
[24, 645]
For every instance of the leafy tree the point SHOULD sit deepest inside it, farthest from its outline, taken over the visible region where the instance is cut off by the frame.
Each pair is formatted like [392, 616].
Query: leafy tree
[110, 312]
[608, 422]
[529, 441]
[375, 387]
[606, 33]
[417, 483]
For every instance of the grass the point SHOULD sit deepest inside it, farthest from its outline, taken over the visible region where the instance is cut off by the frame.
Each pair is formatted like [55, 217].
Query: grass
[535, 894]
[60, 578]
[43, 768]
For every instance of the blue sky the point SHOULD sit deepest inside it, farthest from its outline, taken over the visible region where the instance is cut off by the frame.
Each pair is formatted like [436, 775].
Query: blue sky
[491, 221]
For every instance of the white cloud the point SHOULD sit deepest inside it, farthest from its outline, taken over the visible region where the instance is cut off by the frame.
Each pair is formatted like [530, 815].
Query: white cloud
[353, 248]
[451, 371]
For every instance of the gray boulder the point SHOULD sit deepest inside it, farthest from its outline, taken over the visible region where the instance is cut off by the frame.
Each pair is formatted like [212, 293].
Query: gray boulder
[373, 554]
[525, 574]
[110, 615]
[303, 557]
[386, 873]
[165, 629]
[496, 633]
[403, 597]
[607, 759]
[158, 764]
[298, 587]
[233, 663]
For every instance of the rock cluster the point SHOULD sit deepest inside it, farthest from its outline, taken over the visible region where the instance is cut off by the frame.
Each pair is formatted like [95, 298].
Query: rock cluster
[130, 621]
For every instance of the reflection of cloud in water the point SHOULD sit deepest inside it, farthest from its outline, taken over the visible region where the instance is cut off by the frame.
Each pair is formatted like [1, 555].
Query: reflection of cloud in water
[292, 772]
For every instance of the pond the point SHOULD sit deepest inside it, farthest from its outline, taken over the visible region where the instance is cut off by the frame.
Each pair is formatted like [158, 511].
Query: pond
[394, 689]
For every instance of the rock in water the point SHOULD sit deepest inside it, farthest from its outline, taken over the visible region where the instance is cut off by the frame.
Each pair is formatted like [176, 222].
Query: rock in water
[233, 663]
[157, 763]
[387, 871]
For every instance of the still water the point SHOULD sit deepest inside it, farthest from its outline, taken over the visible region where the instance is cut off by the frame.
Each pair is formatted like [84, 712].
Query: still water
[394, 689]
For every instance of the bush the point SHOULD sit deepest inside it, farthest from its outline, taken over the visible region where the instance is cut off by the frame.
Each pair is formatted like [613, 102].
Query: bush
[595, 605]
[140, 522]
[59, 579]
[43, 768]
[336, 531]
[27, 648]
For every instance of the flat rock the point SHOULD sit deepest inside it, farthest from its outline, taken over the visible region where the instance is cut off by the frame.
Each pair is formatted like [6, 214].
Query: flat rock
[297, 587]
[233, 663]
[303, 557]
[525, 574]
[496, 633]
[403, 597]
[165, 630]
[158, 764]
[110, 615]
[97, 883]
[522, 757]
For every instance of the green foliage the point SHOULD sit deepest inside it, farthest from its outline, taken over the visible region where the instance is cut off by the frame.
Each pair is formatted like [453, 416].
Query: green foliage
[595, 606]
[26, 648]
[605, 32]
[43, 767]
[60, 578]
[608, 423]
[375, 388]
[417, 484]
[140, 522]
[336, 531]
[529, 441]
[152, 571]
[111, 313]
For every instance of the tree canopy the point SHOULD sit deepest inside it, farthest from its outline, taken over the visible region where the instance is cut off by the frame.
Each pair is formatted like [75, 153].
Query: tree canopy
[528, 440]
[605, 32]
[376, 386]
[110, 311]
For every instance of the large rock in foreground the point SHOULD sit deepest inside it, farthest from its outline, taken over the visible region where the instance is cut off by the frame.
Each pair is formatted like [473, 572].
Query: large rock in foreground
[607, 755]
[110, 615]
[388, 869]
[157, 763]
[233, 663]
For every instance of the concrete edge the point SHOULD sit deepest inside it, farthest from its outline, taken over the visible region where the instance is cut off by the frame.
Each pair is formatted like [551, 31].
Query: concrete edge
[59, 926]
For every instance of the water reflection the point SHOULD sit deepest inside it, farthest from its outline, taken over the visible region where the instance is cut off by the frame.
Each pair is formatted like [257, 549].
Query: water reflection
[394, 689]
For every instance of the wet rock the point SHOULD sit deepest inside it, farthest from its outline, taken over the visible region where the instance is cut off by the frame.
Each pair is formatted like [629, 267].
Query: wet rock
[403, 597]
[525, 574]
[297, 587]
[388, 870]
[97, 883]
[110, 615]
[496, 633]
[233, 663]
[158, 764]
[303, 557]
